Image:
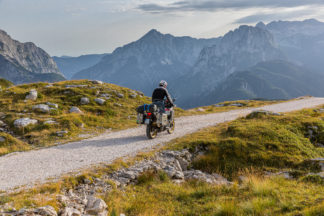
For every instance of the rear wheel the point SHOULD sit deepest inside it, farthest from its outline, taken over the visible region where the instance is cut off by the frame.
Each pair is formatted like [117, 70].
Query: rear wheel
[151, 131]
[171, 129]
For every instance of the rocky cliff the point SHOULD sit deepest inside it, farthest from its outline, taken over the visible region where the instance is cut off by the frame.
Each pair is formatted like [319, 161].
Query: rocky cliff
[23, 62]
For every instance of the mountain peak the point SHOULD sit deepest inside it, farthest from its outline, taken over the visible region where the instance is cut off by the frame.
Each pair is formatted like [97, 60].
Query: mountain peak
[153, 33]
[261, 25]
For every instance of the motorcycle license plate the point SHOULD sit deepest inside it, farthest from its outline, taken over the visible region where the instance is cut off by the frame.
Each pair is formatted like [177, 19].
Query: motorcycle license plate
[147, 121]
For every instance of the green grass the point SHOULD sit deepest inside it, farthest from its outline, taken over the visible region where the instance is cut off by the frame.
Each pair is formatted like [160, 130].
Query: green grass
[256, 196]
[266, 142]
[96, 118]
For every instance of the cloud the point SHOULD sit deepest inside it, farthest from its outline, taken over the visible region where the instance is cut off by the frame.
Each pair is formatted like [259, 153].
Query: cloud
[265, 17]
[194, 5]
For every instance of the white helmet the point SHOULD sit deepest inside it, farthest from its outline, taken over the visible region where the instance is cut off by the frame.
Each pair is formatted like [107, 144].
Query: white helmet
[163, 83]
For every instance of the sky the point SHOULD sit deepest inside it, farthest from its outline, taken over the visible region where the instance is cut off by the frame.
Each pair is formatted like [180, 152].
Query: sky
[77, 27]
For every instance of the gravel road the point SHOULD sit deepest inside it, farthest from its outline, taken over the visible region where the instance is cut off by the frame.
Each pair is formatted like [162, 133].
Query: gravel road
[30, 168]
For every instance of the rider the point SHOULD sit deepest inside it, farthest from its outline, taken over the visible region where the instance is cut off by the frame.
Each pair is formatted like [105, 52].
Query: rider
[160, 93]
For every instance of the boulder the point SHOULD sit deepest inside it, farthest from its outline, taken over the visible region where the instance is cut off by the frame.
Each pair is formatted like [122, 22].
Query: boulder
[120, 95]
[32, 95]
[2, 139]
[75, 110]
[96, 206]
[100, 101]
[84, 101]
[23, 122]
[43, 108]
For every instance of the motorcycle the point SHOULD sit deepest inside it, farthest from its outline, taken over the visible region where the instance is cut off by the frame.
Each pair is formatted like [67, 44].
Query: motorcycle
[156, 119]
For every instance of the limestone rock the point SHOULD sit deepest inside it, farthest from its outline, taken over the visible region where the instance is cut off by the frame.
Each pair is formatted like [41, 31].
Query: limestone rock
[46, 211]
[98, 82]
[23, 122]
[120, 95]
[133, 96]
[96, 206]
[2, 139]
[53, 105]
[32, 95]
[75, 110]
[61, 133]
[50, 122]
[100, 101]
[68, 211]
[43, 108]
[201, 110]
[84, 101]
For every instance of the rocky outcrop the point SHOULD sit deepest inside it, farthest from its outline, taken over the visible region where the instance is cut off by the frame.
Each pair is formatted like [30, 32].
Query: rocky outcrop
[25, 62]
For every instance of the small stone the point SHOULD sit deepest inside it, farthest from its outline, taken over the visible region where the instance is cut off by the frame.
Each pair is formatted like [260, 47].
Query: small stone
[76, 86]
[98, 82]
[118, 105]
[61, 133]
[68, 211]
[84, 101]
[23, 122]
[75, 110]
[62, 199]
[120, 95]
[2, 123]
[100, 101]
[201, 110]
[49, 86]
[50, 122]
[43, 108]
[133, 96]
[46, 211]
[218, 105]
[95, 206]
[2, 139]
[52, 105]
[32, 95]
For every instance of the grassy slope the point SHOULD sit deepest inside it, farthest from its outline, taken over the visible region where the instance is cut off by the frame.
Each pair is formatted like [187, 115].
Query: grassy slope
[96, 118]
[246, 147]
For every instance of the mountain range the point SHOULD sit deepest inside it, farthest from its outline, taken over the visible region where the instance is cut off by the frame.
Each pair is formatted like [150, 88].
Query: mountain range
[143, 63]
[71, 65]
[25, 62]
[198, 68]
[278, 60]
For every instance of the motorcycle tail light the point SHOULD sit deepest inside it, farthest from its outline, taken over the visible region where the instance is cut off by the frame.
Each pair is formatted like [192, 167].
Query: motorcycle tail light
[149, 114]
